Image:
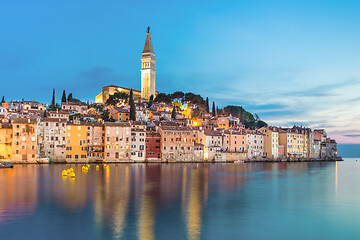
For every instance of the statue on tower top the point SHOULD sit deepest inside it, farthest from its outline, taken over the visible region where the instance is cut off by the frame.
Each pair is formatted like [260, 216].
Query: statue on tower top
[148, 29]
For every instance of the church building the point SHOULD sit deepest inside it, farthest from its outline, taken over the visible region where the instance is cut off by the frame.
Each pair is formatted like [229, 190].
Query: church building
[147, 76]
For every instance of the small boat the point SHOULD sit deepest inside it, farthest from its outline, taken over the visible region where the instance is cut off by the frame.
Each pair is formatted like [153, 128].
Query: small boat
[4, 164]
[43, 160]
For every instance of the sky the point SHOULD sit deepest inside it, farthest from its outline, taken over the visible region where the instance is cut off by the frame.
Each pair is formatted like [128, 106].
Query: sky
[291, 62]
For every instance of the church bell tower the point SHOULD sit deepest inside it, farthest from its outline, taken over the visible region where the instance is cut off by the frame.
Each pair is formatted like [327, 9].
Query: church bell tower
[148, 68]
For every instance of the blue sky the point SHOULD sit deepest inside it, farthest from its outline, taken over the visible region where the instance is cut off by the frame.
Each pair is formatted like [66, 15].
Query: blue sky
[291, 62]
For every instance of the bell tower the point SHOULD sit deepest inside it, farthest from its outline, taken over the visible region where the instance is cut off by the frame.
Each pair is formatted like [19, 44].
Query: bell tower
[148, 68]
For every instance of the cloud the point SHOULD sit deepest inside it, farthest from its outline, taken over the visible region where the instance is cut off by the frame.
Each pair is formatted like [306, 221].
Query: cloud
[352, 135]
[324, 90]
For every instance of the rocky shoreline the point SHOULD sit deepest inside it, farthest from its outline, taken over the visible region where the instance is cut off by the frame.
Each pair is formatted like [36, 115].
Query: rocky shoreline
[283, 160]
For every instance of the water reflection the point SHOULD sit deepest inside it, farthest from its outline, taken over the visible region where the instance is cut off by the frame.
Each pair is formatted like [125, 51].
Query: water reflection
[18, 192]
[137, 201]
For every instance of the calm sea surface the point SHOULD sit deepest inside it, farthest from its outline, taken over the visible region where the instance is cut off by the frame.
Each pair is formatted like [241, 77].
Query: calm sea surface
[182, 201]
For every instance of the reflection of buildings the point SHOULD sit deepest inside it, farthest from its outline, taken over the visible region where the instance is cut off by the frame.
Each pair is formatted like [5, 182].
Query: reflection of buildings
[150, 191]
[112, 195]
[193, 205]
[18, 191]
[146, 201]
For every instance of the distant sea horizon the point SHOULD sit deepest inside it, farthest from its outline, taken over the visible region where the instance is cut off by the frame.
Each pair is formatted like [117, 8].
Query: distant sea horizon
[349, 150]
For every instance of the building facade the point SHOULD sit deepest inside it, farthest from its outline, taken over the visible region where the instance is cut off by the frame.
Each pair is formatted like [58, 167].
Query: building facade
[153, 146]
[5, 141]
[52, 139]
[117, 142]
[24, 146]
[76, 142]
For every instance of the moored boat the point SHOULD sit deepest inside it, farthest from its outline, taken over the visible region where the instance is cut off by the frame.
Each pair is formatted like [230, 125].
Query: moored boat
[6, 164]
[43, 160]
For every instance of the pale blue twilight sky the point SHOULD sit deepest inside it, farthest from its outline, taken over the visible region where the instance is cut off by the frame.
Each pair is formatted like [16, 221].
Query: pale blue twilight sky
[291, 62]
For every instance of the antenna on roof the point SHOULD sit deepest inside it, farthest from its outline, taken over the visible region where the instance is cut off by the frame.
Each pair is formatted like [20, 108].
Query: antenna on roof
[148, 29]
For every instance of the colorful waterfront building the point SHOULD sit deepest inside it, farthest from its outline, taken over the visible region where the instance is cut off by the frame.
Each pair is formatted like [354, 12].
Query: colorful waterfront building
[76, 142]
[177, 143]
[293, 141]
[5, 141]
[212, 141]
[24, 145]
[153, 146]
[235, 141]
[255, 144]
[52, 139]
[138, 137]
[198, 152]
[271, 138]
[117, 141]
[95, 141]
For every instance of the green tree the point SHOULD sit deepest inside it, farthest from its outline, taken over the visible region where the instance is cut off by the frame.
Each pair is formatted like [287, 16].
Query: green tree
[173, 114]
[75, 100]
[260, 124]
[163, 98]
[70, 97]
[132, 107]
[53, 98]
[238, 111]
[3, 99]
[54, 107]
[194, 100]
[151, 100]
[117, 97]
[207, 105]
[45, 114]
[75, 116]
[213, 109]
[63, 98]
[177, 95]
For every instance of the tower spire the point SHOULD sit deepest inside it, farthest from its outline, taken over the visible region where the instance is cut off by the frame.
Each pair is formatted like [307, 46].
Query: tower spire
[148, 68]
[148, 47]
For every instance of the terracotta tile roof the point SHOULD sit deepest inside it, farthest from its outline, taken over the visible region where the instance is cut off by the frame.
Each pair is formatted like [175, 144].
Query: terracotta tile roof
[117, 124]
[25, 120]
[53, 120]
[176, 128]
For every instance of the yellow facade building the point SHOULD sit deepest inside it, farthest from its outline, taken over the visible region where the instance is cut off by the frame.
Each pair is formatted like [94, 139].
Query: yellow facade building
[24, 145]
[294, 143]
[76, 142]
[5, 141]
